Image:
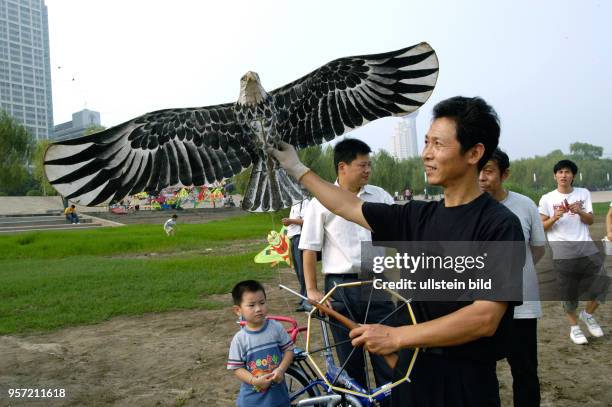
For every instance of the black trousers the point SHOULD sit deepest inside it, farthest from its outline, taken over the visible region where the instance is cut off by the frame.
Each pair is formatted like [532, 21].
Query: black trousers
[298, 265]
[442, 381]
[523, 361]
[356, 298]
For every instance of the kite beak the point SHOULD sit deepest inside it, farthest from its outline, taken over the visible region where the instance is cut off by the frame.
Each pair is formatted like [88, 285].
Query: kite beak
[251, 77]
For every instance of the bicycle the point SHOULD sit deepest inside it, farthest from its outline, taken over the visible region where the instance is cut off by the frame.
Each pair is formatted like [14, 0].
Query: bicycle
[309, 386]
[307, 389]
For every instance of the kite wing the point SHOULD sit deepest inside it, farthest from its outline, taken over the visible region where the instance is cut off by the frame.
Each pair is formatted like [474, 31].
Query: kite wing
[349, 92]
[172, 147]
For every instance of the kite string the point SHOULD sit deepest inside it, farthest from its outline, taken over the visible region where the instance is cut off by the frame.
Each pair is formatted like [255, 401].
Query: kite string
[278, 266]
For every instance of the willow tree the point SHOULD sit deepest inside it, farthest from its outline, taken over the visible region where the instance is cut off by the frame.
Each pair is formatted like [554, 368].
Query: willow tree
[15, 153]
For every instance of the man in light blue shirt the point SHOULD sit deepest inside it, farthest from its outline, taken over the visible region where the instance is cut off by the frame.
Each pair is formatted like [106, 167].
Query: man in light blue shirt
[523, 356]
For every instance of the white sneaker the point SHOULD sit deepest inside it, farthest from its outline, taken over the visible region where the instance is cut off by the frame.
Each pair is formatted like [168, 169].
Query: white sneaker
[591, 324]
[577, 336]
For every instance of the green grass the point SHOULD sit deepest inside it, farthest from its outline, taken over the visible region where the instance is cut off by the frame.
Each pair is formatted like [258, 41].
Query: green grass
[601, 208]
[50, 280]
[135, 238]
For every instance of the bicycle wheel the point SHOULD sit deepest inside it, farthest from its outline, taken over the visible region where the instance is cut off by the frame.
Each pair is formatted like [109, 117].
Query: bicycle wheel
[350, 401]
[297, 384]
[400, 304]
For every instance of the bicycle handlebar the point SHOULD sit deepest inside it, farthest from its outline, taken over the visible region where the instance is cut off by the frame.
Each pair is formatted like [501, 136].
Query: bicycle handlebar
[293, 330]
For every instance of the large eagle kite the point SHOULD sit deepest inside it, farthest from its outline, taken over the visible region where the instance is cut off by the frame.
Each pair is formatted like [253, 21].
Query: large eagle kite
[201, 145]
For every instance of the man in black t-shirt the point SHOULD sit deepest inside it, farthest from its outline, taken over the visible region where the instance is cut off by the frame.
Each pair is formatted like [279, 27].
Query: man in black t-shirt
[463, 340]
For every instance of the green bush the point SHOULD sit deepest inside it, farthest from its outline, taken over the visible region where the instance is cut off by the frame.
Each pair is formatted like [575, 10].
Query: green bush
[33, 192]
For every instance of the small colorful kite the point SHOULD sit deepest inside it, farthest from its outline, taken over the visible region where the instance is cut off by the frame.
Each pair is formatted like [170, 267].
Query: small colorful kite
[278, 249]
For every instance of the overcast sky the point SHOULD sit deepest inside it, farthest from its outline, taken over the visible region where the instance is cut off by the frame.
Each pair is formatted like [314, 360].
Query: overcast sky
[545, 66]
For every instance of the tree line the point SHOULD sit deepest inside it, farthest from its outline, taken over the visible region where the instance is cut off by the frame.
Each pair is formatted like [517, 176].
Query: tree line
[21, 164]
[21, 167]
[397, 175]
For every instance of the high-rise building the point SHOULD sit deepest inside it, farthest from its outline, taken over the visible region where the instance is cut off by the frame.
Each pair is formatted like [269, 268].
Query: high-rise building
[77, 126]
[25, 68]
[404, 138]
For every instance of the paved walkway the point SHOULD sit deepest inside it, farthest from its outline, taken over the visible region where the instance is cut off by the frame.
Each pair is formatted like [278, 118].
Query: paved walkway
[602, 196]
[46, 205]
[22, 205]
[38, 205]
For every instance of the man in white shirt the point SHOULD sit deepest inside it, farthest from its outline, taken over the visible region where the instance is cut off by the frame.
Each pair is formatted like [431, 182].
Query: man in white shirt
[339, 241]
[523, 354]
[294, 230]
[566, 213]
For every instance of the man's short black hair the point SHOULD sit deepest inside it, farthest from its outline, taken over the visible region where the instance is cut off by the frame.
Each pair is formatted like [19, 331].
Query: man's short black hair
[242, 287]
[476, 122]
[502, 160]
[175, 216]
[347, 150]
[566, 164]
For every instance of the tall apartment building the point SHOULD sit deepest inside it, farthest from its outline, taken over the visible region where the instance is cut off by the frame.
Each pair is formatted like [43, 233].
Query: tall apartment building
[25, 68]
[404, 138]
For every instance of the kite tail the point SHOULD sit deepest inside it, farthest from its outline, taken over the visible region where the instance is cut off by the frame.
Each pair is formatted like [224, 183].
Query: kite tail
[270, 187]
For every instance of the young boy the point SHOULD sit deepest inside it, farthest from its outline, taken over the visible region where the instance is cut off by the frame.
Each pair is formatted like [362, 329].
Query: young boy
[260, 352]
[170, 225]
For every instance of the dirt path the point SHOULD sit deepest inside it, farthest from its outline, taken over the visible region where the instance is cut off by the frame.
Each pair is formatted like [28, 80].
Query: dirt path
[177, 358]
[174, 358]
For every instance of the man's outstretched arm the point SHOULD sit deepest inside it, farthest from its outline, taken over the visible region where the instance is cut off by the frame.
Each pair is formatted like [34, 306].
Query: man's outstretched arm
[337, 200]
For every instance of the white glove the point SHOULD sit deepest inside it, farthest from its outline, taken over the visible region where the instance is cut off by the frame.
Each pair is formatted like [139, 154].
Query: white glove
[289, 160]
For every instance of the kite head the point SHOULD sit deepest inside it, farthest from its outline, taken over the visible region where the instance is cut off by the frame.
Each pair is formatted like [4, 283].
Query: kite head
[274, 238]
[251, 91]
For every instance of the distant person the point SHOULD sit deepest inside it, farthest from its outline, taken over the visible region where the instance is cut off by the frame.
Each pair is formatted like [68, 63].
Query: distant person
[408, 194]
[71, 215]
[170, 225]
[228, 202]
[260, 352]
[567, 213]
[64, 201]
[523, 352]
